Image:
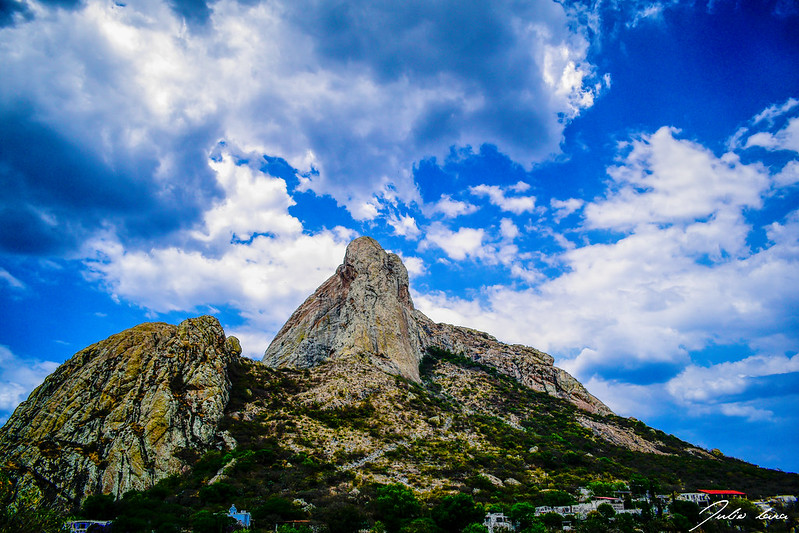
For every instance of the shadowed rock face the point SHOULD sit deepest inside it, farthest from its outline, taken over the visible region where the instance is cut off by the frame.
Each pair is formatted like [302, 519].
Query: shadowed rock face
[118, 414]
[365, 308]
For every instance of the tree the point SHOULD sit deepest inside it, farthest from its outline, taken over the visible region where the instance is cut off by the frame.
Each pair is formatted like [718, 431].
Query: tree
[341, 517]
[606, 510]
[600, 488]
[752, 511]
[552, 521]
[395, 505]
[421, 525]
[141, 511]
[276, 509]
[680, 523]
[594, 523]
[554, 498]
[456, 511]
[208, 522]
[219, 492]
[536, 526]
[625, 523]
[638, 485]
[689, 510]
[99, 507]
[523, 513]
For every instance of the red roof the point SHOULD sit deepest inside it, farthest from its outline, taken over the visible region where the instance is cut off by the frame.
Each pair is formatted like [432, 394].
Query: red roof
[723, 492]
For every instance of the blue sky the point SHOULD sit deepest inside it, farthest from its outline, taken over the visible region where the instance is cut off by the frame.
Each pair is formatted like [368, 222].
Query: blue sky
[616, 183]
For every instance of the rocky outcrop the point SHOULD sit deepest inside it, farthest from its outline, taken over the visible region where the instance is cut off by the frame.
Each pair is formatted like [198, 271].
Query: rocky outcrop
[121, 414]
[365, 308]
[622, 437]
[528, 366]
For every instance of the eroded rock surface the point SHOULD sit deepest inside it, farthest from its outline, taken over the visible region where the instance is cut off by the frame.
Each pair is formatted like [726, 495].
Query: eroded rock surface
[120, 414]
[366, 308]
[528, 366]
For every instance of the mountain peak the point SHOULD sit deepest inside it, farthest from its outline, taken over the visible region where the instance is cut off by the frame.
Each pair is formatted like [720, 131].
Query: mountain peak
[364, 309]
[116, 416]
[377, 269]
[364, 250]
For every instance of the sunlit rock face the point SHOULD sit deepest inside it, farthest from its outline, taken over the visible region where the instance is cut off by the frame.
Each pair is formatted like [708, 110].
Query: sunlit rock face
[123, 413]
[530, 367]
[141, 405]
[365, 309]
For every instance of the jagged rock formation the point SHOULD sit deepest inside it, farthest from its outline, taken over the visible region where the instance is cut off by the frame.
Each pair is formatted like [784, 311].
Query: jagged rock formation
[118, 415]
[366, 308]
[383, 394]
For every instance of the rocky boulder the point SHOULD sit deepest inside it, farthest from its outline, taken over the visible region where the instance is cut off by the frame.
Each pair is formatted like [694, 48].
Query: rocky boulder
[530, 367]
[123, 413]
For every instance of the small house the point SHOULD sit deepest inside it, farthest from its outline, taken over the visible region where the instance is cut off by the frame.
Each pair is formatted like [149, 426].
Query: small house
[242, 517]
[700, 498]
[82, 526]
[497, 522]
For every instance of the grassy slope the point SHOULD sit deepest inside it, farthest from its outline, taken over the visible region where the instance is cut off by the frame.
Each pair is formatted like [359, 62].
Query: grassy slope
[328, 436]
[463, 427]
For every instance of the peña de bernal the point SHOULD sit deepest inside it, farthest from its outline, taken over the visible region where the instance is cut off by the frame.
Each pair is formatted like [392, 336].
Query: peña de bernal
[359, 390]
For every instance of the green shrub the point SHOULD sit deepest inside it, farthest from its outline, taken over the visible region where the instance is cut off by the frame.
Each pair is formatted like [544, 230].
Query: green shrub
[475, 528]
[208, 522]
[98, 507]
[455, 512]
[219, 492]
[396, 505]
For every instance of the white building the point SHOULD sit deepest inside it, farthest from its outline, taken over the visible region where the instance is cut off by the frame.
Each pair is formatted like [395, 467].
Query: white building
[543, 509]
[616, 503]
[581, 510]
[497, 522]
[699, 498]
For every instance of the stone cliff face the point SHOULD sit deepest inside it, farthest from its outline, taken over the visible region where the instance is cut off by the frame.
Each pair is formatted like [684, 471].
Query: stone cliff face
[366, 308]
[530, 367]
[143, 404]
[118, 414]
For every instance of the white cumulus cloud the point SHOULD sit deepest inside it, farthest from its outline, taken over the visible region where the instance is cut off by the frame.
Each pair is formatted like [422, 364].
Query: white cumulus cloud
[456, 244]
[18, 378]
[496, 195]
[324, 90]
[453, 208]
[264, 273]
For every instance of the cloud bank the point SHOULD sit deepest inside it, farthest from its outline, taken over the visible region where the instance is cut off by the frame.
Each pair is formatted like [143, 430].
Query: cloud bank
[112, 109]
